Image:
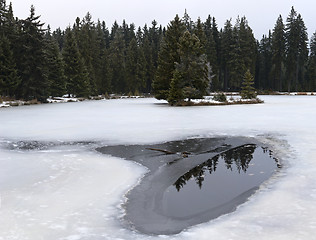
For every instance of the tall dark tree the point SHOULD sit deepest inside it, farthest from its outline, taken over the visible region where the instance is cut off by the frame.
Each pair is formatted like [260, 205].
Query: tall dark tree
[311, 69]
[117, 63]
[168, 56]
[9, 79]
[296, 50]
[31, 66]
[135, 69]
[58, 34]
[147, 49]
[243, 54]
[211, 53]
[86, 37]
[191, 72]
[216, 38]
[54, 67]
[264, 62]
[187, 21]
[101, 61]
[247, 89]
[227, 42]
[77, 81]
[278, 54]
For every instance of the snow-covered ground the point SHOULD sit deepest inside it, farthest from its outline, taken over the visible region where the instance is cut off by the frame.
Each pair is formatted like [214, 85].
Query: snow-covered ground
[64, 190]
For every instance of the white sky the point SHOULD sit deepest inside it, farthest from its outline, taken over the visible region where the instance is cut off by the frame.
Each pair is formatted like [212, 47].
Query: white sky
[261, 15]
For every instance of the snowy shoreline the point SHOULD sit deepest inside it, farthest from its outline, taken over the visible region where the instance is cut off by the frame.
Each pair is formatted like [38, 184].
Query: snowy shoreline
[233, 98]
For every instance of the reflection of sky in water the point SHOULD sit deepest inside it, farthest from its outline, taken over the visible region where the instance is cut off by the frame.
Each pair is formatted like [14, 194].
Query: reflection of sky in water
[218, 181]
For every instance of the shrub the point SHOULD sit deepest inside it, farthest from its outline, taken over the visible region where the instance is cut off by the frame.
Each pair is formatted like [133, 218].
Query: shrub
[220, 97]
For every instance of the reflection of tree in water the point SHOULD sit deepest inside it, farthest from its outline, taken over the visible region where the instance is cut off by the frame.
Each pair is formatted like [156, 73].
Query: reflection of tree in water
[240, 156]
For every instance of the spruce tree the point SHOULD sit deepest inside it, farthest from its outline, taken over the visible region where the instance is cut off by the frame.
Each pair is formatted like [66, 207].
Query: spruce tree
[134, 68]
[216, 38]
[311, 69]
[264, 62]
[77, 81]
[59, 35]
[55, 68]
[187, 21]
[86, 37]
[101, 61]
[117, 62]
[243, 55]
[278, 54]
[247, 89]
[149, 64]
[32, 59]
[227, 42]
[211, 53]
[236, 63]
[176, 89]
[296, 51]
[9, 79]
[190, 78]
[168, 56]
[200, 33]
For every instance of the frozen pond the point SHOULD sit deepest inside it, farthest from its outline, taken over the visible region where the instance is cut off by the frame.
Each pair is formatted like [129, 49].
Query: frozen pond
[192, 181]
[55, 185]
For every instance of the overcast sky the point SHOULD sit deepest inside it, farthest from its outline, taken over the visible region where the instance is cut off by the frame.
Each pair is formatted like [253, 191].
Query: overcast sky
[261, 15]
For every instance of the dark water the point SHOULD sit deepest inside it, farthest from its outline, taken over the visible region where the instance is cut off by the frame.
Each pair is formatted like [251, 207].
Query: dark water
[218, 180]
[192, 181]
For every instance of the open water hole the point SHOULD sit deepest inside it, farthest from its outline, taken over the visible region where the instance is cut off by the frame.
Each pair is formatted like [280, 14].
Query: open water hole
[218, 181]
[193, 180]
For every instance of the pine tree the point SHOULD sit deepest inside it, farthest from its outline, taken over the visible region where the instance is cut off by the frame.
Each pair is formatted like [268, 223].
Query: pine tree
[211, 53]
[247, 89]
[236, 63]
[190, 77]
[300, 81]
[296, 50]
[149, 61]
[311, 69]
[199, 32]
[243, 56]
[264, 59]
[86, 37]
[77, 81]
[55, 67]
[168, 56]
[216, 38]
[101, 62]
[188, 23]
[31, 59]
[117, 62]
[227, 42]
[176, 91]
[278, 54]
[9, 79]
[134, 68]
[59, 35]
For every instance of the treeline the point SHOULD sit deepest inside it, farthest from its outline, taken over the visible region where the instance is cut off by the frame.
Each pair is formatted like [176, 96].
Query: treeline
[90, 59]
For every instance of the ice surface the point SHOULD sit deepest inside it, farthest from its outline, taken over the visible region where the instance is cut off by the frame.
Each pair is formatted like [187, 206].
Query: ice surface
[72, 192]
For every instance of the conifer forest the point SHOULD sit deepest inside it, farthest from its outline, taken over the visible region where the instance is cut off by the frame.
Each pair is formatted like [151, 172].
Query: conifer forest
[91, 58]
